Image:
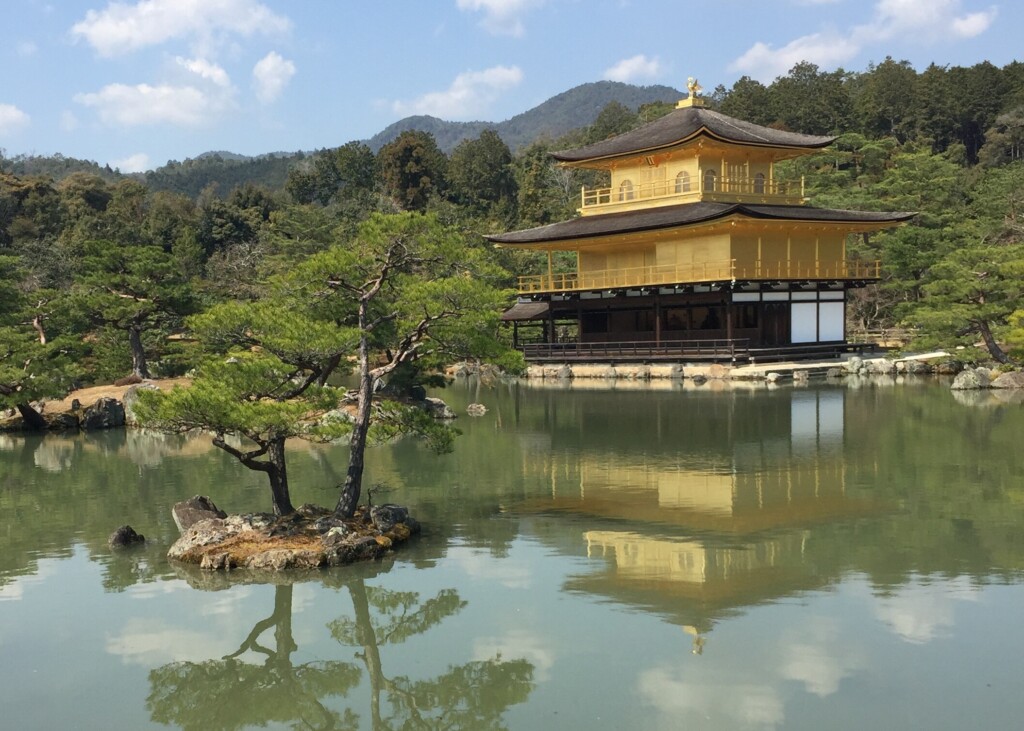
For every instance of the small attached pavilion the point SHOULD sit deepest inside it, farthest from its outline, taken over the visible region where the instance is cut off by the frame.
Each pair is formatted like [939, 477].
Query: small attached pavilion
[695, 251]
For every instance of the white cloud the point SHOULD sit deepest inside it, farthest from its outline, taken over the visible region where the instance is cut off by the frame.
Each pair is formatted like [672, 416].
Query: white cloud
[26, 49]
[764, 63]
[678, 695]
[516, 644]
[508, 573]
[271, 75]
[974, 24]
[15, 590]
[631, 69]
[468, 95]
[12, 119]
[922, 21]
[919, 613]
[501, 17]
[129, 106]
[122, 28]
[928, 21]
[818, 656]
[150, 642]
[205, 69]
[137, 163]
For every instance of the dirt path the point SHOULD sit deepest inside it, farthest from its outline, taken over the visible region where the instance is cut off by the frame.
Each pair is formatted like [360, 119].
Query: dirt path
[88, 396]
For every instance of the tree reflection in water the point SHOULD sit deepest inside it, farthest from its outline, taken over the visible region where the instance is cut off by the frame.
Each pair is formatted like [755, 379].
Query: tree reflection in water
[232, 694]
[470, 696]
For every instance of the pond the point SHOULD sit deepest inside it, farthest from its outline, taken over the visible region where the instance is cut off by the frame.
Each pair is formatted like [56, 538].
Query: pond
[841, 557]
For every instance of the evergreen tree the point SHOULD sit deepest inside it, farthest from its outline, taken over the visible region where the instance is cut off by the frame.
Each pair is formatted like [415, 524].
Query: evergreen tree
[972, 293]
[404, 291]
[749, 100]
[266, 385]
[412, 170]
[811, 101]
[140, 291]
[885, 100]
[33, 364]
[480, 174]
[414, 293]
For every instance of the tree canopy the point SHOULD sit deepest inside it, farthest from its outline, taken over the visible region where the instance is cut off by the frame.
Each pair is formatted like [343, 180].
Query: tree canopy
[405, 291]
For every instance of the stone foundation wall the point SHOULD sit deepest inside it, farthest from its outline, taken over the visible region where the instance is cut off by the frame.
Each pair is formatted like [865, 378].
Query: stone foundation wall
[629, 371]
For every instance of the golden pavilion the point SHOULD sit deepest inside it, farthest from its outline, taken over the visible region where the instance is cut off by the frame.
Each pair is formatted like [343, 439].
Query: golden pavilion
[695, 251]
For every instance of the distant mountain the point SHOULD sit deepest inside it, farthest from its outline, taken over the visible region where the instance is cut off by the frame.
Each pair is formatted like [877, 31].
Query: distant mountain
[559, 115]
[447, 134]
[556, 117]
[578, 107]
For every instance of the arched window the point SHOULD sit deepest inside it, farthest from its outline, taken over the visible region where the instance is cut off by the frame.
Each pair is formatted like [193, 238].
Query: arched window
[683, 182]
[626, 190]
[759, 183]
[709, 181]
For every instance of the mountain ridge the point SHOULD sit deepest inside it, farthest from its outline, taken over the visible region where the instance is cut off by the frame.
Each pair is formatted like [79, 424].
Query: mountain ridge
[555, 117]
[574, 108]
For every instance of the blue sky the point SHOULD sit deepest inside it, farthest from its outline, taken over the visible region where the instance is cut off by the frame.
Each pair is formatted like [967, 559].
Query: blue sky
[138, 82]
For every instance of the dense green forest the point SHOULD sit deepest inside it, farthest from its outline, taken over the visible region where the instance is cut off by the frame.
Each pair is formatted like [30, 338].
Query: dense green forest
[99, 271]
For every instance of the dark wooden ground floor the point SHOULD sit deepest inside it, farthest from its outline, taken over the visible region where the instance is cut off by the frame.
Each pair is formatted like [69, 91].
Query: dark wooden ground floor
[727, 324]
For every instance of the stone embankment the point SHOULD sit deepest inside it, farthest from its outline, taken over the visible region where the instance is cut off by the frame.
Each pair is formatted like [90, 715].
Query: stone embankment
[594, 375]
[925, 364]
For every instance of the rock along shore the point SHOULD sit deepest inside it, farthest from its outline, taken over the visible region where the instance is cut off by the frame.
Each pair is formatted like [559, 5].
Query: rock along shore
[310, 538]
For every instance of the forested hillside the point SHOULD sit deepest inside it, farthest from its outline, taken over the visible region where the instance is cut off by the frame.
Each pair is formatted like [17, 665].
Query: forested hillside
[98, 270]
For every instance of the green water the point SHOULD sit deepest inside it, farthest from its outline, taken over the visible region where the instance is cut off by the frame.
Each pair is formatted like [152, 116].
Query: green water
[796, 558]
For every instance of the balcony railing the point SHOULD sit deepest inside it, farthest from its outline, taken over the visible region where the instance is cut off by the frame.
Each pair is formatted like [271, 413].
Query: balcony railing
[744, 190]
[719, 271]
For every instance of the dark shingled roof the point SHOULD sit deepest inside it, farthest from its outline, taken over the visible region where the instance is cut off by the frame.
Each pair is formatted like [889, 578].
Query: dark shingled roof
[684, 123]
[526, 311]
[687, 213]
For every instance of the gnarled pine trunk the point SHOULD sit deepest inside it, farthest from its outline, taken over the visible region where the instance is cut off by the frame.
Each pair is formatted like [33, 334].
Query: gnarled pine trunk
[990, 342]
[278, 475]
[140, 367]
[353, 485]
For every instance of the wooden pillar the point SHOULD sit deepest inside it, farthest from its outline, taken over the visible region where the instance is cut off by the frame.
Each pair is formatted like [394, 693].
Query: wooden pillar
[728, 316]
[579, 321]
[657, 317]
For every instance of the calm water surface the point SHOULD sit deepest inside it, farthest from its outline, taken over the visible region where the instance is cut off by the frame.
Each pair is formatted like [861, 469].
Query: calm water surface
[808, 558]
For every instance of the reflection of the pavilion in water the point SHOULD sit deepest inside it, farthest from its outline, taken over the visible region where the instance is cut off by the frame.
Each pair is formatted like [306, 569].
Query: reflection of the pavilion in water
[697, 535]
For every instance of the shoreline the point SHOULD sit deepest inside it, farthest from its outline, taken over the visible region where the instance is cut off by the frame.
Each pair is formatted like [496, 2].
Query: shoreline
[848, 365]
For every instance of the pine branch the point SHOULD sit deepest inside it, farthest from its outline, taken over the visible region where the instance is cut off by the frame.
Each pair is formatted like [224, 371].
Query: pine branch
[246, 458]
